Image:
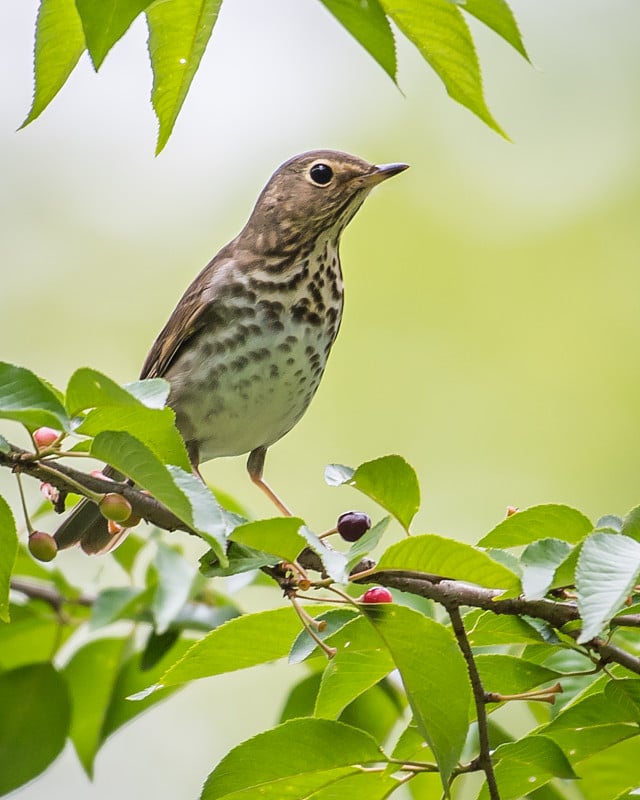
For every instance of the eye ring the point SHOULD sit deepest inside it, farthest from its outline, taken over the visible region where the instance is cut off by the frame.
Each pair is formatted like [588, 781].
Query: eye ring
[320, 174]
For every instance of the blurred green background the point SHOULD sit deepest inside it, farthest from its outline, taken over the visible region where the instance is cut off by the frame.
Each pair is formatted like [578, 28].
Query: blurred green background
[491, 331]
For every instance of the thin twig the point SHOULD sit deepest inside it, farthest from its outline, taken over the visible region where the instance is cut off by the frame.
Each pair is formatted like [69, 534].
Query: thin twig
[484, 758]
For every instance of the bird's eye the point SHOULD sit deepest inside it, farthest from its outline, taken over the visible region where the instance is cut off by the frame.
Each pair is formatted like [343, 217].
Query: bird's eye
[321, 174]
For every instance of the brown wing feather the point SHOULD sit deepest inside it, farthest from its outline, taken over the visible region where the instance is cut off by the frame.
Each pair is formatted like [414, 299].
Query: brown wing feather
[186, 321]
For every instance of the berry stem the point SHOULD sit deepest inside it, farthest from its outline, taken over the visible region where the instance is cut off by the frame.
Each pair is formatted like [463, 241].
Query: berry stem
[24, 504]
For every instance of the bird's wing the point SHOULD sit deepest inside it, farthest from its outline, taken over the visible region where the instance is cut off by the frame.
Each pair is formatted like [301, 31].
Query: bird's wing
[189, 317]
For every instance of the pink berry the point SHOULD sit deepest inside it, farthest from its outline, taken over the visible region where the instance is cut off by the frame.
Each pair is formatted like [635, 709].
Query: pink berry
[45, 437]
[42, 546]
[377, 594]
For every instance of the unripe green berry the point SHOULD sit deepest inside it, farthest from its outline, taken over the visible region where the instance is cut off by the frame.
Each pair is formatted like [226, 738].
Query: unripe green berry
[42, 546]
[115, 507]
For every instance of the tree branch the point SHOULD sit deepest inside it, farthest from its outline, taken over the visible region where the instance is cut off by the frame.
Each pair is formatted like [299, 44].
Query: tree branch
[58, 475]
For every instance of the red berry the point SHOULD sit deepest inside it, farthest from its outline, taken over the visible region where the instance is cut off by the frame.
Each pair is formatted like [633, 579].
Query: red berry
[42, 546]
[352, 525]
[115, 507]
[45, 437]
[377, 594]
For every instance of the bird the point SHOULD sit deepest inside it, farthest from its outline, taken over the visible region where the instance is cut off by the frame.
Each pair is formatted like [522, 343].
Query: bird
[246, 346]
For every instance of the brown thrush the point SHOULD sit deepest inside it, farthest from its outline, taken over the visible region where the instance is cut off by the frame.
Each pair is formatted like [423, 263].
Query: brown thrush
[246, 346]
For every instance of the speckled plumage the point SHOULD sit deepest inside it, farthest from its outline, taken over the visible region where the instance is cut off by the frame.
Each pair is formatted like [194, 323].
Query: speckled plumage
[246, 346]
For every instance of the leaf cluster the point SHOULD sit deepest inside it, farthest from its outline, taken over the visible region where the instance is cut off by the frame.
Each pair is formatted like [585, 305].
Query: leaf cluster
[544, 611]
[180, 30]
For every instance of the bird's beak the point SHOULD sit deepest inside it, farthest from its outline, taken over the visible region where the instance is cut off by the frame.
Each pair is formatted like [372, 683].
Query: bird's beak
[384, 171]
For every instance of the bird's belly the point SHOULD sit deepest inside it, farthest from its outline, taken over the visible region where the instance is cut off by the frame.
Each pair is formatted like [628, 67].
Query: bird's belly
[247, 389]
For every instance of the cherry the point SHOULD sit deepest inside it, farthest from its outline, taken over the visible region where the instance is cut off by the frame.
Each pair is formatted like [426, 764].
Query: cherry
[352, 525]
[377, 594]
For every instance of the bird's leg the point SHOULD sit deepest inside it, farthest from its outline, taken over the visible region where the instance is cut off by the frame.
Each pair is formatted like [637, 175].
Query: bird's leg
[255, 468]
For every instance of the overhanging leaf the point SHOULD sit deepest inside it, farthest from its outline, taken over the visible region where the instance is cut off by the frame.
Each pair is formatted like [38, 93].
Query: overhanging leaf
[59, 44]
[439, 31]
[608, 569]
[497, 15]
[106, 22]
[176, 576]
[368, 23]
[178, 35]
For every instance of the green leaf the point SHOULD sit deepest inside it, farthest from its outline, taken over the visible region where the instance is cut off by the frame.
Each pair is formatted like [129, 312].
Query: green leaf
[153, 427]
[512, 674]
[550, 521]
[369, 25]
[279, 536]
[389, 480]
[131, 678]
[240, 643]
[366, 543]
[178, 35]
[436, 555]
[123, 602]
[27, 399]
[88, 388]
[106, 22]
[5, 447]
[28, 639]
[539, 563]
[91, 674]
[151, 392]
[33, 724]
[608, 569]
[334, 620]
[137, 408]
[361, 662]
[625, 691]
[439, 31]
[8, 553]
[484, 629]
[526, 765]
[497, 15]
[181, 492]
[631, 524]
[126, 553]
[361, 786]
[591, 724]
[239, 559]
[59, 45]
[439, 697]
[333, 561]
[292, 760]
[175, 579]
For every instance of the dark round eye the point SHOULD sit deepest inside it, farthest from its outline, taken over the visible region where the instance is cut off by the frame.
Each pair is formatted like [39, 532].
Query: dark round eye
[321, 174]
